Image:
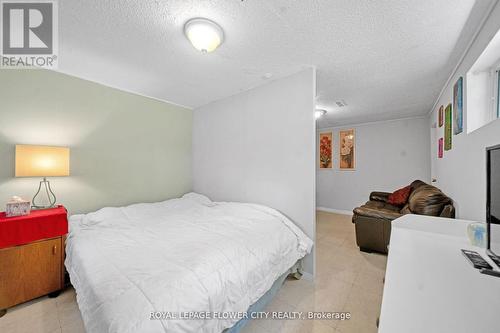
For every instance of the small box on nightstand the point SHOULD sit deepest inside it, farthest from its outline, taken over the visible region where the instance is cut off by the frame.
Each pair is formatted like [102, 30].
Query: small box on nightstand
[17, 207]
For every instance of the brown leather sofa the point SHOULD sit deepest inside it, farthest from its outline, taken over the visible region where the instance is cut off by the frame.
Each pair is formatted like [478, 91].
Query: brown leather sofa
[373, 219]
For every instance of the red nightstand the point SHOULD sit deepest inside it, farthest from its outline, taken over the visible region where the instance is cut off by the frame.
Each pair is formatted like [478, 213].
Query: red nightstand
[31, 255]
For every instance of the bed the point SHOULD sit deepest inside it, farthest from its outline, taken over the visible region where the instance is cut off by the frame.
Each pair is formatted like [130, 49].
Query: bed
[161, 267]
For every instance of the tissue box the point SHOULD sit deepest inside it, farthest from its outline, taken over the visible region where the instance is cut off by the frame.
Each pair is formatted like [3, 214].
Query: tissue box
[18, 207]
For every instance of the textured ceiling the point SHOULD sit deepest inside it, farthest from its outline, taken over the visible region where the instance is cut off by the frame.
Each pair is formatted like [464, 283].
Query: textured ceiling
[386, 59]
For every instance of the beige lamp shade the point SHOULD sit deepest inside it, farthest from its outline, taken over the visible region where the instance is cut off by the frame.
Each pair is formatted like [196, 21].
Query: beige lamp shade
[41, 161]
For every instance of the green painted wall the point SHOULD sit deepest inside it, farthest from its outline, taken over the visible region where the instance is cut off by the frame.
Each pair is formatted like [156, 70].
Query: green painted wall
[125, 148]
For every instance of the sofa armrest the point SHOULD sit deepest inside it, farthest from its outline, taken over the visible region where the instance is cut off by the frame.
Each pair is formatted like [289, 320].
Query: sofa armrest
[379, 196]
[448, 211]
[376, 213]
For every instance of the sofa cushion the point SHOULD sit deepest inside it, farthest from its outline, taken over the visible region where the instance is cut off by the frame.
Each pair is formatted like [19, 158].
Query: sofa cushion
[405, 210]
[416, 184]
[399, 197]
[373, 204]
[379, 196]
[427, 200]
[384, 214]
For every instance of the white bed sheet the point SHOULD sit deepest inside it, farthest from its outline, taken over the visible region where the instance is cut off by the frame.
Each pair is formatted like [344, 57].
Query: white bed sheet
[181, 255]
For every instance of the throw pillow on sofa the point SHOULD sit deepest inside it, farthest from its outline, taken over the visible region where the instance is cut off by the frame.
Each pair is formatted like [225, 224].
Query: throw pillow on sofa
[399, 197]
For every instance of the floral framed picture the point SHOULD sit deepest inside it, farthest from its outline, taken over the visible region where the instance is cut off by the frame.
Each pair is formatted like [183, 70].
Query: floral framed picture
[325, 150]
[347, 149]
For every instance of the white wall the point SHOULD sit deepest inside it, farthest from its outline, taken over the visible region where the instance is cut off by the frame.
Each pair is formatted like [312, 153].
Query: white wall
[125, 148]
[478, 98]
[259, 146]
[462, 171]
[389, 155]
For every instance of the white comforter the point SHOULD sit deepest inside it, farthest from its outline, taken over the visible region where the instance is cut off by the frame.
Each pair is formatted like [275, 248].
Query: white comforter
[181, 255]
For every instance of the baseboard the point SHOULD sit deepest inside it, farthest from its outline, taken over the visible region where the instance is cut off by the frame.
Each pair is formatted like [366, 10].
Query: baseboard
[336, 211]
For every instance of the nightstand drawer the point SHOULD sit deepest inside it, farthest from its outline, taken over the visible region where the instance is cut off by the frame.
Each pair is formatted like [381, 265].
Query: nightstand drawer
[30, 271]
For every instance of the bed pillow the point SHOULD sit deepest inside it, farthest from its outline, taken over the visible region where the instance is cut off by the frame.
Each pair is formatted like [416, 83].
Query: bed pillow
[399, 197]
[199, 198]
[103, 215]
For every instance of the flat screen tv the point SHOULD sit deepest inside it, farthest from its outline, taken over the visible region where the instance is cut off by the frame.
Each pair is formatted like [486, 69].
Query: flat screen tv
[493, 200]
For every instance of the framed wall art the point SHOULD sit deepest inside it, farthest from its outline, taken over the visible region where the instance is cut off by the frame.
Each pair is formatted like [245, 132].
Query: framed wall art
[440, 148]
[325, 150]
[347, 149]
[458, 107]
[441, 116]
[447, 127]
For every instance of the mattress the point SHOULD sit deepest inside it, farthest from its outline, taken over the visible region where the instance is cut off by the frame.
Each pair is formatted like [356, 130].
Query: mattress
[182, 265]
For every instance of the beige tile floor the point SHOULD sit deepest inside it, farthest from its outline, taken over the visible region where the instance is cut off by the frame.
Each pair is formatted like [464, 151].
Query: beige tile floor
[347, 280]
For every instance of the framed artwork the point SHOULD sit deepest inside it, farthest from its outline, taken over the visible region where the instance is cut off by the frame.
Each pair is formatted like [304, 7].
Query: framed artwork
[458, 107]
[440, 148]
[347, 149]
[441, 116]
[447, 127]
[325, 150]
[498, 93]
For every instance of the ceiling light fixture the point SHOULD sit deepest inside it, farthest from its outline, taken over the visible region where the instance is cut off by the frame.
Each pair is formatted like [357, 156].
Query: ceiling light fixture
[319, 113]
[205, 35]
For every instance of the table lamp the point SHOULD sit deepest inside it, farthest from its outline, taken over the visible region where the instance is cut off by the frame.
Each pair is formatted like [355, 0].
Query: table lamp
[42, 161]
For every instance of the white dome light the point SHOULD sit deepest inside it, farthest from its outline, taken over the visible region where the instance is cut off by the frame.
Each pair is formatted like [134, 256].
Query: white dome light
[205, 35]
[319, 113]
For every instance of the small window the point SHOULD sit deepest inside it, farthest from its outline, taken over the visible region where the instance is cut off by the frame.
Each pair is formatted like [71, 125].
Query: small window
[483, 87]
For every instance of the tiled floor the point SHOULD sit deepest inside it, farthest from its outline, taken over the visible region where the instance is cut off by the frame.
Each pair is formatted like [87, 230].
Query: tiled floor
[45, 315]
[347, 280]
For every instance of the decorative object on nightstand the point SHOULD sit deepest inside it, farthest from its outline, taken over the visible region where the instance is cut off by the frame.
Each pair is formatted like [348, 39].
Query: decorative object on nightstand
[17, 206]
[42, 161]
[31, 255]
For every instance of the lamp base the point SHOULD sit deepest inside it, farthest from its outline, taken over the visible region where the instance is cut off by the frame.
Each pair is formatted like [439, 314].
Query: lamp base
[50, 195]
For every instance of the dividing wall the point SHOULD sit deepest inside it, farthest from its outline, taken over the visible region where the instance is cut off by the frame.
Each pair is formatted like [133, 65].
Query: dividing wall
[259, 146]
